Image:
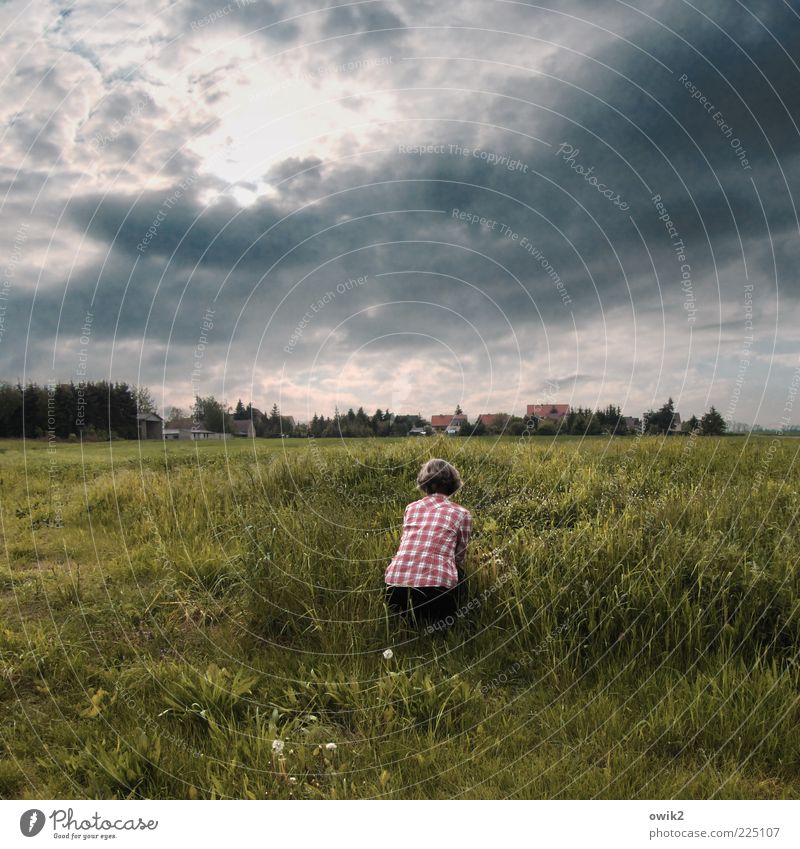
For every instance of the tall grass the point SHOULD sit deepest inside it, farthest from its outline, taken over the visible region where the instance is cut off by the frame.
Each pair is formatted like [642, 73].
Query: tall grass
[631, 624]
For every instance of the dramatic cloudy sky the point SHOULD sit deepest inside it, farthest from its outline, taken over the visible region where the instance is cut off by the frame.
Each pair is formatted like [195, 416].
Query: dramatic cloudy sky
[162, 162]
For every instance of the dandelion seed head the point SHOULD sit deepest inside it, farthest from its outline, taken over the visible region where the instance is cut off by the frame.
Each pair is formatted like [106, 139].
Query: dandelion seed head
[277, 746]
[388, 654]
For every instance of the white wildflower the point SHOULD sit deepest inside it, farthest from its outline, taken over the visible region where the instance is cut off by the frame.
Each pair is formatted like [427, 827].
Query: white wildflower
[277, 746]
[388, 654]
[331, 747]
[292, 780]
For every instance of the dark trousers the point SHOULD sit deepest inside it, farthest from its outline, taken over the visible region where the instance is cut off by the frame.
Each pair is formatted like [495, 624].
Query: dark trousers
[427, 605]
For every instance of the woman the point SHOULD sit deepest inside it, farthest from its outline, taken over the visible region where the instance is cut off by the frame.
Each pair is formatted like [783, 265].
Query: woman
[422, 576]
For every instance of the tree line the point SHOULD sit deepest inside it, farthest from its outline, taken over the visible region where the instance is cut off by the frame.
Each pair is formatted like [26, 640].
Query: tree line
[103, 410]
[93, 409]
[662, 421]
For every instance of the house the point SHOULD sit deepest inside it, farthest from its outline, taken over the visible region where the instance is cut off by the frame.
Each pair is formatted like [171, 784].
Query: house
[150, 425]
[199, 433]
[493, 419]
[194, 433]
[552, 412]
[451, 424]
[244, 427]
[633, 423]
[654, 425]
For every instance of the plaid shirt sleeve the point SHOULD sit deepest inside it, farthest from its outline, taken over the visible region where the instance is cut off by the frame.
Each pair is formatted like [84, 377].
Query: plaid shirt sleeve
[433, 544]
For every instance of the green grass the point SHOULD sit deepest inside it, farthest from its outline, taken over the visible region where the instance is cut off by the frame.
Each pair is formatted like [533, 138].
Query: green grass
[168, 611]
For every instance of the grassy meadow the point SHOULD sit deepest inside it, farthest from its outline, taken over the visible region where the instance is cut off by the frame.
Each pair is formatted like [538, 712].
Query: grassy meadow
[169, 611]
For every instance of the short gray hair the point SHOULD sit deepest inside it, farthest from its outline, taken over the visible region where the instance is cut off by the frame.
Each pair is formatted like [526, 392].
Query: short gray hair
[438, 475]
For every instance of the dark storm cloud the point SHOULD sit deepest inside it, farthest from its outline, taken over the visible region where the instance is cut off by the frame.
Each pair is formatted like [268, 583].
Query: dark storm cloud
[368, 28]
[296, 23]
[232, 240]
[253, 240]
[268, 19]
[680, 151]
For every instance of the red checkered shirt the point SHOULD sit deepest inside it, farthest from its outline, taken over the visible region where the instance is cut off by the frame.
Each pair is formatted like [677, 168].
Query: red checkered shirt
[434, 541]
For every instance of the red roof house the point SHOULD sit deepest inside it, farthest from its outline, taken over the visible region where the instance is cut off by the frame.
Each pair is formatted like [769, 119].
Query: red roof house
[444, 422]
[553, 412]
[493, 419]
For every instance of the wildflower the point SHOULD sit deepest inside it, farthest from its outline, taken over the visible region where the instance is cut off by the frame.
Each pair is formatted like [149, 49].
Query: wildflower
[292, 780]
[277, 746]
[388, 654]
[331, 747]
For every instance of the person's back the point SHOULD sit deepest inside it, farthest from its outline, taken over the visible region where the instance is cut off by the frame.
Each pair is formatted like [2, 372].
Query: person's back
[425, 570]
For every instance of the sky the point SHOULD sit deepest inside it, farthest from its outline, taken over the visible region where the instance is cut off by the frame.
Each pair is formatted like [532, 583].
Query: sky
[405, 205]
